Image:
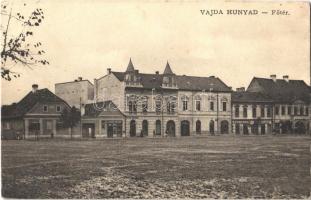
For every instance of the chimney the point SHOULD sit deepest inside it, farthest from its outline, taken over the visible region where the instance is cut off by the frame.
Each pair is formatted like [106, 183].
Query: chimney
[157, 72]
[241, 89]
[34, 88]
[286, 78]
[108, 70]
[273, 77]
[79, 78]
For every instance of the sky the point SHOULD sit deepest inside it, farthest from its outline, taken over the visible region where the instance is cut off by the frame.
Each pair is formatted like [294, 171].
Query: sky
[85, 37]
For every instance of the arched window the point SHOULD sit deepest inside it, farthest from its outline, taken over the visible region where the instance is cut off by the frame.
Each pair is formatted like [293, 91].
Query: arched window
[198, 126]
[133, 128]
[158, 127]
[211, 127]
[224, 127]
[170, 128]
[145, 128]
[185, 128]
[237, 128]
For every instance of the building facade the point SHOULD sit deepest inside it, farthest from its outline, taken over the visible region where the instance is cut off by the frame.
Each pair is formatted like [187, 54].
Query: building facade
[36, 115]
[158, 105]
[76, 93]
[290, 103]
[251, 113]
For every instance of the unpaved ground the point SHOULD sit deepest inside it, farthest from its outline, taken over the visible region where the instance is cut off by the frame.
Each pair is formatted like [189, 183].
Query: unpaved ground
[206, 167]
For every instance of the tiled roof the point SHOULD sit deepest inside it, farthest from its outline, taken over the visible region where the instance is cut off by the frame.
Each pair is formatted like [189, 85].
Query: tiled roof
[250, 97]
[284, 91]
[23, 106]
[101, 108]
[150, 81]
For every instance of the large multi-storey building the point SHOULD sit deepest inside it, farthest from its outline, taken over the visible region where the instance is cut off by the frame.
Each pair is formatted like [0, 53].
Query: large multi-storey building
[272, 105]
[158, 104]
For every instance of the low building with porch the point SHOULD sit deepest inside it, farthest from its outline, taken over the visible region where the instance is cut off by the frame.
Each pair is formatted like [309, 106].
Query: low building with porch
[36, 115]
[102, 120]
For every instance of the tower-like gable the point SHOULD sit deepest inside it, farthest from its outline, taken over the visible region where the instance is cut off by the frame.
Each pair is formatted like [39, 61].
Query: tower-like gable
[169, 78]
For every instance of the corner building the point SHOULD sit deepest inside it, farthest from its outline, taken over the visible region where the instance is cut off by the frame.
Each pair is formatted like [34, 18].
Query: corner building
[163, 105]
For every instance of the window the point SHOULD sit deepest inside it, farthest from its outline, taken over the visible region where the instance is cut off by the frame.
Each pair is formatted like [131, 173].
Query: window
[295, 110]
[254, 112]
[158, 107]
[185, 105]
[307, 111]
[45, 108]
[103, 124]
[198, 105]
[59, 125]
[224, 106]
[237, 111]
[301, 110]
[245, 111]
[277, 110]
[269, 112]
[212, 106]
[198, 126]
[144, 106]
[262, 111]
[34, 125]
[237, 128]
[132, 106]
[170, 107]
[6, 125]
[58, 109]
[49, 125]
[283, 110]
[289, 110]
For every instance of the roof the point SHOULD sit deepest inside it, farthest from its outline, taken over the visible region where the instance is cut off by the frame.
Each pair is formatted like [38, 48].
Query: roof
[19, 109]
[184, 82]
[284, 91]
[168, 69]
[130, 66]
[250, 97]
[101, 108]
[74, 82]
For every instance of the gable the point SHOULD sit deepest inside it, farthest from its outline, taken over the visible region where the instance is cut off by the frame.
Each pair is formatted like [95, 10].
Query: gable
[51, 108]
[254, 86]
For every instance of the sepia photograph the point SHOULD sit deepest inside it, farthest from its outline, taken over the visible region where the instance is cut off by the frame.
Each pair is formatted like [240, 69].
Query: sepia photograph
[166, 99]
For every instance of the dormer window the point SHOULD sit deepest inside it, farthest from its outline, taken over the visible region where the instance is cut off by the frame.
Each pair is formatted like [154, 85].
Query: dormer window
[45, 108]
